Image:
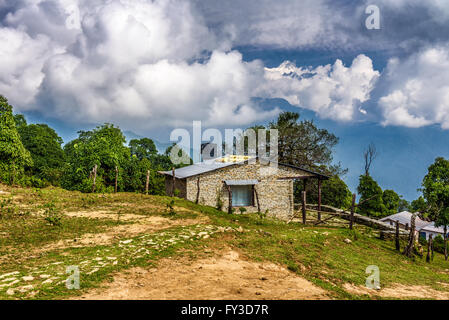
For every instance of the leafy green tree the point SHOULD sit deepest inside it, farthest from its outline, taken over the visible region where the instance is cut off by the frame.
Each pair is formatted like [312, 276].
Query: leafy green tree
[404, 205]
[13, 155]
[302, 143]
[390, 200]
[143, 148]
[418, 205]
[44, 144]
[104, 147]
[435, 188]
[334, 192]
[371, 202]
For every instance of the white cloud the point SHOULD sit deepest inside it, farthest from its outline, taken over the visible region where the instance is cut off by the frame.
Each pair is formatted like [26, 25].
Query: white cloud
[418, 90]
[332, 91]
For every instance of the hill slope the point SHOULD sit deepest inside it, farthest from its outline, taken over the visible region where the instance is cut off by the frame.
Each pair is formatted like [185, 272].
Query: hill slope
[135, 247]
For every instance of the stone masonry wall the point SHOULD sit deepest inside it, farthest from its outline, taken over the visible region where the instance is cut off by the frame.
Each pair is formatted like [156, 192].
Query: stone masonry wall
[275, 195]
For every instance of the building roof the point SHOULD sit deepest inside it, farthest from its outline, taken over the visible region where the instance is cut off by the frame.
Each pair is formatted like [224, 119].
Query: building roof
[220, 163]
[405, 217]
[431, 228]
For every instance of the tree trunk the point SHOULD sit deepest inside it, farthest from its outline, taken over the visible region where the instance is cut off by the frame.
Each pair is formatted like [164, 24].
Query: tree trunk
[445, 243]
[396, 237]
[198, 191]
[411, 242]
[257, 199]
[230, 199]
[304, 203]
[429, 249]
[319, 199]
[351, 218]
[116, 179]
[147, 182]
[173, 183]
[95, 178]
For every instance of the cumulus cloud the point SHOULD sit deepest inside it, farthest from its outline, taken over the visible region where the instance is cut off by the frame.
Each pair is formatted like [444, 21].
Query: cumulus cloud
[332, 91]
[418, 89]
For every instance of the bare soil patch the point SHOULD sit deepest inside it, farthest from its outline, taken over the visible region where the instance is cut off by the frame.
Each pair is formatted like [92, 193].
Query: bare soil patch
[145, 225]
[227, 276]
[400, 291]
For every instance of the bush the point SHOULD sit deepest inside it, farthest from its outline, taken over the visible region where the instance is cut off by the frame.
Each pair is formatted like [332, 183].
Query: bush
[438, 244]
[52, 214]
[242, 210]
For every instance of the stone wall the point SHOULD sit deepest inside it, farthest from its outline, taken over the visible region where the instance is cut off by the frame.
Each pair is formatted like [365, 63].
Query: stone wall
[275, 195]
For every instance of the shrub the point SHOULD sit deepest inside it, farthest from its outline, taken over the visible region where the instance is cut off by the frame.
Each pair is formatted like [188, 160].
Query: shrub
[438, 244]
[52, 214]
[242, 210]
[171, 209]
[219, 204]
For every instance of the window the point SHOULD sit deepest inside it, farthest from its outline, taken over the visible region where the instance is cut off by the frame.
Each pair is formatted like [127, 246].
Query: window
[422, 235]
[242, 196]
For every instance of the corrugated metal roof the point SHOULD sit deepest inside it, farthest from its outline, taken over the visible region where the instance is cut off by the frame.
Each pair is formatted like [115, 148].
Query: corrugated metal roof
[404, 218]
[431, 227]
[200, 168]
[215, 164]
[241, 182]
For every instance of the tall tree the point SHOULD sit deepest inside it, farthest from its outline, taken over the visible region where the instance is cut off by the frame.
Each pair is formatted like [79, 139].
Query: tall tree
[44, 144]
[435, 188]
[391, 201]
[370, 197]
[104, 147]
[304, 144]
[369, 156]
[13, 155]
[143, 148]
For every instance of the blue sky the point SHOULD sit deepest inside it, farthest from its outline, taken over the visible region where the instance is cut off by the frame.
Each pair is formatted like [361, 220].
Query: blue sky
[152, 66]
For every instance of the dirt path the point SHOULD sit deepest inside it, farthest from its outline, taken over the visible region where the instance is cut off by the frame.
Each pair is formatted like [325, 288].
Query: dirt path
[400, 291]
[223, 277]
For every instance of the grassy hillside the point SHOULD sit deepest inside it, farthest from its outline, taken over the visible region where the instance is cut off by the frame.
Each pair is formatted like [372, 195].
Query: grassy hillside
[44, 231]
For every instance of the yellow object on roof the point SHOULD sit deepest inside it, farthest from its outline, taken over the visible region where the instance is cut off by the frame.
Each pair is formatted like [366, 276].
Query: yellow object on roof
[233, 158]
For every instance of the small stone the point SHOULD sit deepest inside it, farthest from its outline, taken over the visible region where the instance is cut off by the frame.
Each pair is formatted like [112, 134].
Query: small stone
[48, 281]
[10, 292]
[25, 288]
[206, 236]
[126, 241]
[263, 279]
[28, 278]
[258, 294]
[44, 276]
[348, 241]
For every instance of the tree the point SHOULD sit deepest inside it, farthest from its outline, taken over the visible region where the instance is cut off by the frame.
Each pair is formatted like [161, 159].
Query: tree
[13, 155]
[104, 147]
[369, 156]
[143, 148]
[391, 201]
[404, 205]
[370, 197]
[334, 193]
[418, 205]
[435, 187]
[304, 144]
[44, 145]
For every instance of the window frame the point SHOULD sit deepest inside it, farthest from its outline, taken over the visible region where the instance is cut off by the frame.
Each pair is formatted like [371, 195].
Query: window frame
[253, 200]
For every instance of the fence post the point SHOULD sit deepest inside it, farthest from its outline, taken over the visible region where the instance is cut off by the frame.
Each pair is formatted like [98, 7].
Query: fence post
[396, 236]
[319, 199]
[304, 212]
[429, 249]
[95, 178]
[116, 178]
[173, 183]
[351, 218]
[147, 183]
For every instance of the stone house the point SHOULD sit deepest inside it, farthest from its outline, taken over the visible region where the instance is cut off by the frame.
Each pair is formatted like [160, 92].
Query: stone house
[240, 182]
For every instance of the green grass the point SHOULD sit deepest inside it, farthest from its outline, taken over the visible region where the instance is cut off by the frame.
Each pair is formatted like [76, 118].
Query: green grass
[319, 254]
